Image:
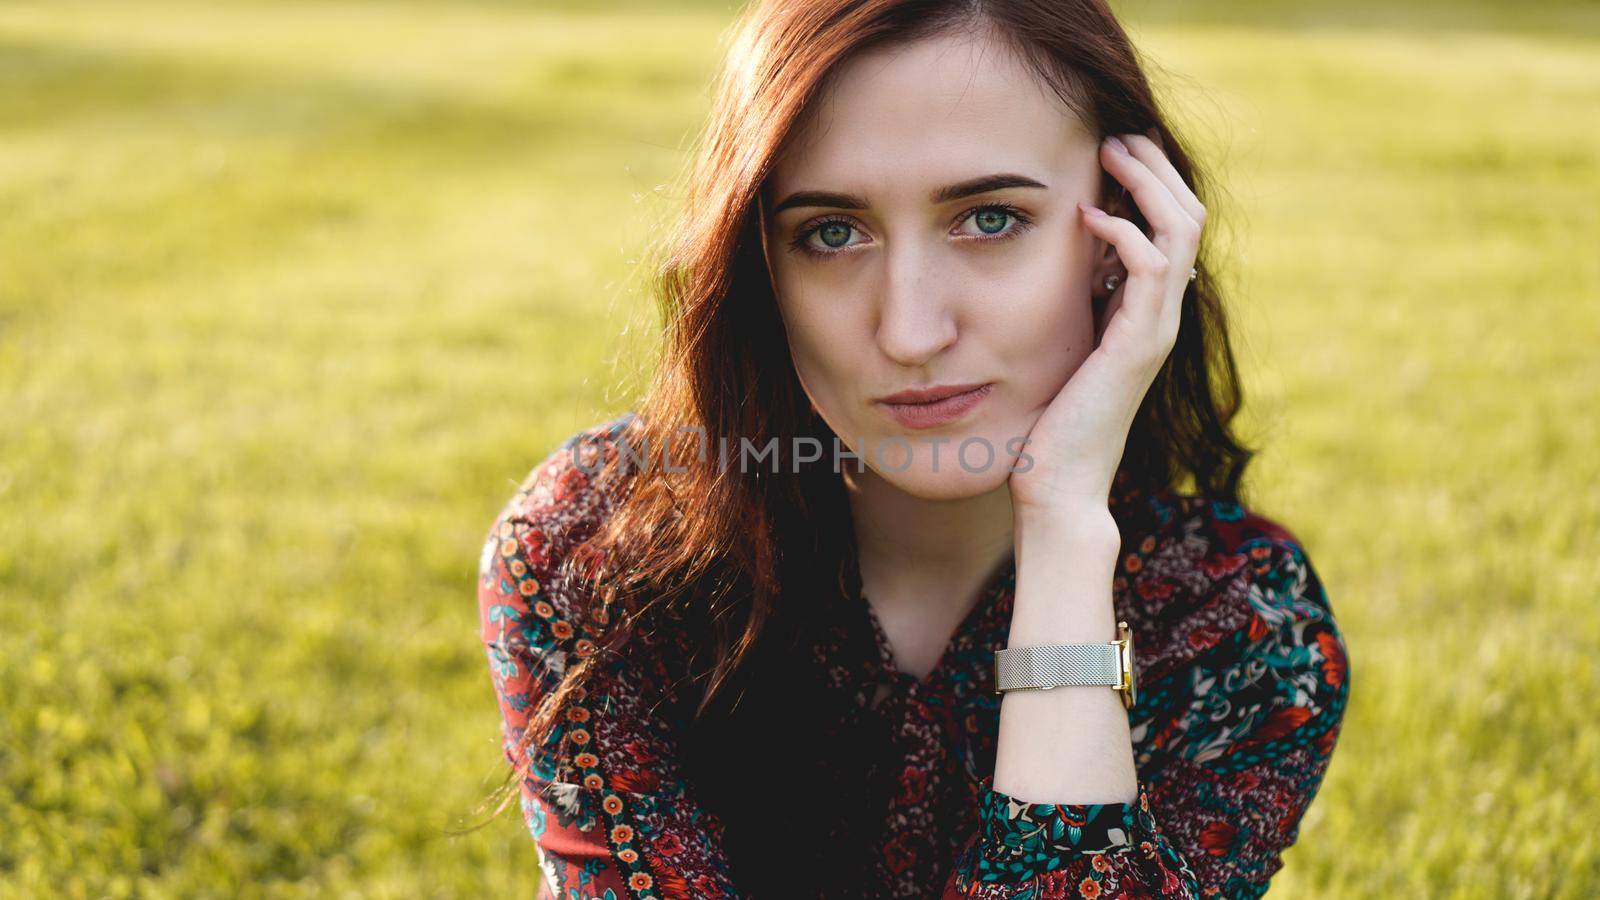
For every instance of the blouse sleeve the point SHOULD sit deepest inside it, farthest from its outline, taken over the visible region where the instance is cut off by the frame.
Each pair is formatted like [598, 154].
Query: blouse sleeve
[1236, 750]
[610, 814]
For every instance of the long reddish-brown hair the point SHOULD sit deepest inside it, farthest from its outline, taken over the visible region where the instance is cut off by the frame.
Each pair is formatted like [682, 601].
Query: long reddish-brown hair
[717, 548]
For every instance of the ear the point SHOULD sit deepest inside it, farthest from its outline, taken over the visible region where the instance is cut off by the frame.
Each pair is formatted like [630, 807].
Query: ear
[1105, 262]
[1116, 202]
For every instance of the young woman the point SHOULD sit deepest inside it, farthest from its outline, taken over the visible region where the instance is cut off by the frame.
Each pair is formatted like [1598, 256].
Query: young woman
[734, 675]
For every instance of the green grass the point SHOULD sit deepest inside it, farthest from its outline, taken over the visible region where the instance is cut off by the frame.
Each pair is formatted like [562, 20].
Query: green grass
[291, 294]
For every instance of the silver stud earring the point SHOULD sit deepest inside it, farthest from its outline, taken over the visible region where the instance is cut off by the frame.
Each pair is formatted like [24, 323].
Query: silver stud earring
[1112, 281]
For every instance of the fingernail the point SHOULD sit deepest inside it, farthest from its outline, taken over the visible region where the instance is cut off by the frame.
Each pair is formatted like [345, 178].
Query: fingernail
[1117, 145]
[1095, 211]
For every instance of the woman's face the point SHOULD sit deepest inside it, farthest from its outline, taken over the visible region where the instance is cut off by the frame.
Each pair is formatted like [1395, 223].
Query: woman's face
[915, 274]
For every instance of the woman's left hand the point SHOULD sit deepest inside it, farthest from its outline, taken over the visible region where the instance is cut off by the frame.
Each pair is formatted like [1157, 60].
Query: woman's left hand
[1077, 442]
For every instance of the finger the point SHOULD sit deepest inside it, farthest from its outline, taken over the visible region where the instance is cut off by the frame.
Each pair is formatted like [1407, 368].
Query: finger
[1179, 243]
[1145, 263]
[1173, 225]
[1155, 159]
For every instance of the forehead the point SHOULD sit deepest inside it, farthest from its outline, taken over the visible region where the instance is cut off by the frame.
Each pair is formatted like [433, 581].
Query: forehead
[930, 112]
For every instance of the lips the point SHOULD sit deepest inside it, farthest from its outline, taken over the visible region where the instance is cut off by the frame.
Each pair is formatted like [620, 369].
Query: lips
[929, 395]
[948, 404]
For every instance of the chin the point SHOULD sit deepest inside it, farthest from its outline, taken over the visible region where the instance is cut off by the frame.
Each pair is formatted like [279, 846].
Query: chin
[950, 479]
[949, 483]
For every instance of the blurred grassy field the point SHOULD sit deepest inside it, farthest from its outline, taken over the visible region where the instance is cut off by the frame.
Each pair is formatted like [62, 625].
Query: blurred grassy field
[292, 294]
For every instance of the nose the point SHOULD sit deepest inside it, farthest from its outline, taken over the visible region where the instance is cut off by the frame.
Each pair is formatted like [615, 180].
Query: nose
[916, 318]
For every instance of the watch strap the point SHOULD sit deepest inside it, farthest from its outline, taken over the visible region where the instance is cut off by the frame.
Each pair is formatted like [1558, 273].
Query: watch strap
[1056, 664]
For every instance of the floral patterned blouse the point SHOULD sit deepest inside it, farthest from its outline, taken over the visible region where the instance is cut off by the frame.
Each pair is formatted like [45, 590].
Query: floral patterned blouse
[1243, 678]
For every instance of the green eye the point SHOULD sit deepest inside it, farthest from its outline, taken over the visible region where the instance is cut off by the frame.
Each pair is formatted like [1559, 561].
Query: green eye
[834, 234]
[997, 221]
[991, 220]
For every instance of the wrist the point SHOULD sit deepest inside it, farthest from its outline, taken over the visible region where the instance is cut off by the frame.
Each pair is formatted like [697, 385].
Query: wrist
[1087, 529]
[1065, 564]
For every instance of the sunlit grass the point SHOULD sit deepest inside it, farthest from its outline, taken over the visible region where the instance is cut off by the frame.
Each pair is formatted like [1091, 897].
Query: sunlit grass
[292, 293]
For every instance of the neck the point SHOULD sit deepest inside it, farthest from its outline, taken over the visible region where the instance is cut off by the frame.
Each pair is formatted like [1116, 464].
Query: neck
[940, 551]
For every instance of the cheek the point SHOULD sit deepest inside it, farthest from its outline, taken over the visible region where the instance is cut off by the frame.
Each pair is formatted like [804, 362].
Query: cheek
[1047, 293]
[821, 346]
[1051, 319]
[1046, 324]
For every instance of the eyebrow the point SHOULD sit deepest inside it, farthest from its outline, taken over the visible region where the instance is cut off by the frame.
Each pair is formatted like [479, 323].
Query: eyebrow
[972, 186]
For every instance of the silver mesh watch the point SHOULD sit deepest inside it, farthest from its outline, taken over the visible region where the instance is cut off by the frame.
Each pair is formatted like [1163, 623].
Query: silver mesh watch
[1057, 665]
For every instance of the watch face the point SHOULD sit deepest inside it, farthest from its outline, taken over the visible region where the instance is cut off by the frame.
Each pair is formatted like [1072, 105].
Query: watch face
[1125, 636]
